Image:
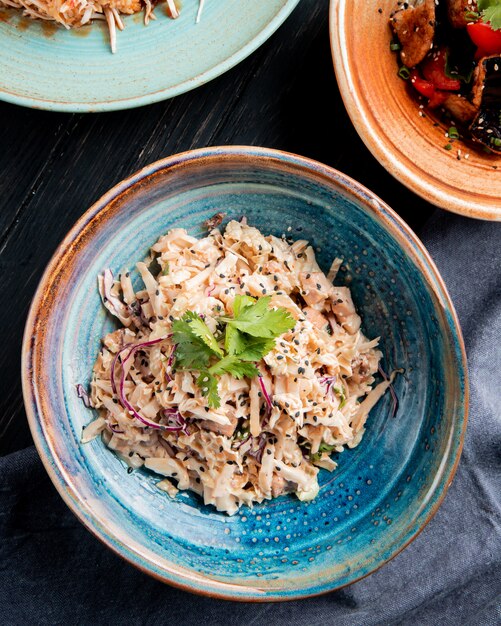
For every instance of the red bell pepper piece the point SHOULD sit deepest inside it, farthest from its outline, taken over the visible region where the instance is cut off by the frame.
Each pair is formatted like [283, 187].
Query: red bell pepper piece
[485, 38]
[438, 98]
[424, 87]
[433, 68]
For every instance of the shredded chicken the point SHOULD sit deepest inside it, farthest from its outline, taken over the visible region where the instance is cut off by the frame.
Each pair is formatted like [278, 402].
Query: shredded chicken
[271, 434]
[77, 13]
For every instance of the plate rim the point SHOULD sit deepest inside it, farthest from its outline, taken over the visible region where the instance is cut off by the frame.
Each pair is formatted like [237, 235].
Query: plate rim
[162, 94]
[407, 238]
[449, 201]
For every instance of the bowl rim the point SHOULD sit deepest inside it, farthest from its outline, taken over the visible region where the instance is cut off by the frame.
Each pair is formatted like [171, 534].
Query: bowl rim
[162, 94]
[373, 204]
[388, 158]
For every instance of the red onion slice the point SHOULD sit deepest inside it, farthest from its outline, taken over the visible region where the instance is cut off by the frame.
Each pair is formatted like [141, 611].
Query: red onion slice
[84, 396]
[265, 393]
[126, 363]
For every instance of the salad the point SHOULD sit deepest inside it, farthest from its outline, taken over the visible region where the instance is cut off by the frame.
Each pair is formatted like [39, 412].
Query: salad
[450, 52]
[77, 13]
[238, 369]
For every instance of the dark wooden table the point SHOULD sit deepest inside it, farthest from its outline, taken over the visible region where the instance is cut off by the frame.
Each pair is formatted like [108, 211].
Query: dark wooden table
[54, 166]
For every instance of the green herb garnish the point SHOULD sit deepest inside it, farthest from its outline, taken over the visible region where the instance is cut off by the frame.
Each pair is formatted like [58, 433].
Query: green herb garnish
[341, 393]
[453, 133]
[495, 141]
[490, 11]
[248, 336]
[324, 447]
[448, 146]
[471, 16]
[404, 73]
[395, 46]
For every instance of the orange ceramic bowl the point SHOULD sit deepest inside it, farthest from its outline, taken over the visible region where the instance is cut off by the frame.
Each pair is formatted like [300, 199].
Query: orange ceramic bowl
[387, 117]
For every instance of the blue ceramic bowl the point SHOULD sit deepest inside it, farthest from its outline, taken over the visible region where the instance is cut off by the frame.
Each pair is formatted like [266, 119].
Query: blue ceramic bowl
[383, 492]
[47, 67]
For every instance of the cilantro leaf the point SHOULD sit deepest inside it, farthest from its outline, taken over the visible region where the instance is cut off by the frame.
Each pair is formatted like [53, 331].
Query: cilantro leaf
[491, 12]
[247, 348]
[234, 340]
[258, 320]
[241, 302]
[201, 330]
[207, 383]
[255, 348]
[191, 351]
[248, 337]
[233, 365]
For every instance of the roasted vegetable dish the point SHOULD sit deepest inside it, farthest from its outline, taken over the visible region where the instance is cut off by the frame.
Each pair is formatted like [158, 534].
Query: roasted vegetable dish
[450, 52]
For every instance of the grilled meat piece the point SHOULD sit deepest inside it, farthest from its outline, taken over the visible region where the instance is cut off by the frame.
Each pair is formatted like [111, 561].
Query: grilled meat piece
[414, 25]
[457, 11]
[461, 109]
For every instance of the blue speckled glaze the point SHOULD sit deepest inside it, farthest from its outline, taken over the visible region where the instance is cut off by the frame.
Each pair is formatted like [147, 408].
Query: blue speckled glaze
[383, 491]
[74, 70]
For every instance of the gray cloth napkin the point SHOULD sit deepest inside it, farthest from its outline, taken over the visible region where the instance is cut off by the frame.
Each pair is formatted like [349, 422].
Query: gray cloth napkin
[52, 571]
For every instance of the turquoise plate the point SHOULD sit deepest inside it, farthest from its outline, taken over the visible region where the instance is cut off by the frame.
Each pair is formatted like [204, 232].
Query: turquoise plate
[47, 67]
[383, 492]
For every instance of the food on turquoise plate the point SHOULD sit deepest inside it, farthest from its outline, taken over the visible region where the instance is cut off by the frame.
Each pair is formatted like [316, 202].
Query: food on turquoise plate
[238, 369]
[450, 52]
[77, 13]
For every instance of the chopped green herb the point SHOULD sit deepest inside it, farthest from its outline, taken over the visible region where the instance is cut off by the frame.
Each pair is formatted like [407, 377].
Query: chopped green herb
[166, 269]
[448, 146]
[340, 392]
[404, 73]
[324, 447]
[453, 133]
[395, 46]
[495, 141]
[471, 16]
